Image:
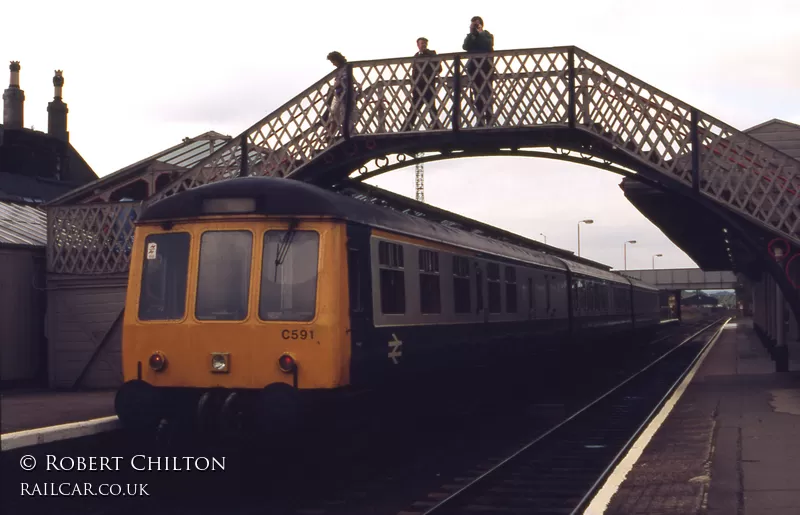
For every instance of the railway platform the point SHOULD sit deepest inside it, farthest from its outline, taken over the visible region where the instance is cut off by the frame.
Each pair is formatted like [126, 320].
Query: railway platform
[42, 416]
[729, 444]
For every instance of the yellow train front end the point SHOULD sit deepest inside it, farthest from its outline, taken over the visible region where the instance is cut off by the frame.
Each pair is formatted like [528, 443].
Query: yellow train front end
[233, 318]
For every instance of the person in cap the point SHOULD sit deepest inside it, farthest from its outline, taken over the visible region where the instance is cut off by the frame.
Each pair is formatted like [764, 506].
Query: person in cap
[480, 69]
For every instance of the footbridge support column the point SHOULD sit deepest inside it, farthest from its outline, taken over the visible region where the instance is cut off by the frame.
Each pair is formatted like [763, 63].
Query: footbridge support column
[774, 321]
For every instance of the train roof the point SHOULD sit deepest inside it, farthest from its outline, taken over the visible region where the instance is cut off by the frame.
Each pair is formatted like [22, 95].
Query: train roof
[286, 197]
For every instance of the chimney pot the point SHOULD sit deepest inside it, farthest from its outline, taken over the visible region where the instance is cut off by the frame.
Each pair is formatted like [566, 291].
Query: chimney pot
[14, 100]
[57, 110]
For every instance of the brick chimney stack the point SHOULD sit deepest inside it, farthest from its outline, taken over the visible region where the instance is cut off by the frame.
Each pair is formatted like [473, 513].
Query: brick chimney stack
[13, 100]
[57, 111]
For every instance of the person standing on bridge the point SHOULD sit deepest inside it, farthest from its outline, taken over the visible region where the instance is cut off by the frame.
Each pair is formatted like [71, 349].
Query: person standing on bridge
[334, 115]
[480, 69]
[424, 74]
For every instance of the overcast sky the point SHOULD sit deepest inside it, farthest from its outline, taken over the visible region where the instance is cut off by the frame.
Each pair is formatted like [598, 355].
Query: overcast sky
[139, 77]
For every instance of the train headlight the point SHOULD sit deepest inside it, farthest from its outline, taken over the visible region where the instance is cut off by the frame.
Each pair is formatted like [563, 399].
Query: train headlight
[287, 363]
[220, 362]
[158, 361]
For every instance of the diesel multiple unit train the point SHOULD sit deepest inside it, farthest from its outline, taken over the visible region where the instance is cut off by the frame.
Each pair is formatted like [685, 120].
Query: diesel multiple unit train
[251, 294]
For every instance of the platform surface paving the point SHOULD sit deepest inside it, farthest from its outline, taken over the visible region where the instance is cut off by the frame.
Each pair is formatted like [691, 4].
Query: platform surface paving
[731, 445]
[20, 411]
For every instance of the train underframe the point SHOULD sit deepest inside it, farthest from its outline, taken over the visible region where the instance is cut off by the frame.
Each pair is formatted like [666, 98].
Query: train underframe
[279, 408]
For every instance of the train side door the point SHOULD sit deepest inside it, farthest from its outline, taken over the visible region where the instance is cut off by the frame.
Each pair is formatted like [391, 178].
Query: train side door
[480, 308]
[531, 300]
[360, 312]
[548, 307]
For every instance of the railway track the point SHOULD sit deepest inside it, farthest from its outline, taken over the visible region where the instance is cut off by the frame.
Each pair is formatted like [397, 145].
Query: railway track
[402, 449]
[561, 469]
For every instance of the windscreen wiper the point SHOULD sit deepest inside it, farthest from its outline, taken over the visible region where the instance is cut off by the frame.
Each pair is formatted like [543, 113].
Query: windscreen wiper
[283, 247]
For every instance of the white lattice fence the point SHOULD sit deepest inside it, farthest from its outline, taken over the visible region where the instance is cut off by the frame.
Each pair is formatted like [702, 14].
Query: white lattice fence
[90, 239]
[733, 168]
[290, 137]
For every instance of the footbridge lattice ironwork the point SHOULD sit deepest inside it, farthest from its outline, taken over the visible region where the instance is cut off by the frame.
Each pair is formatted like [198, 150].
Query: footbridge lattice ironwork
[560, 98]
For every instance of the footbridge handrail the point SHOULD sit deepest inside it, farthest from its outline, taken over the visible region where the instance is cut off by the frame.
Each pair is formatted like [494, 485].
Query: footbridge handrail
[561, 88]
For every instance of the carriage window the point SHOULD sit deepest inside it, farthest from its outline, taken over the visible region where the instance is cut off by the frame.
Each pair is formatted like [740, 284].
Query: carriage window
[164, 271]
[289, 275]
[429, 293]
[511, 289]
[531, 297]
[493, 279]
[223, 283]
[587, 295]
[623, 299]
[590, 295]
[604, 296]
[547, 293]
[392, 277]
[478, 288]
[461, 295]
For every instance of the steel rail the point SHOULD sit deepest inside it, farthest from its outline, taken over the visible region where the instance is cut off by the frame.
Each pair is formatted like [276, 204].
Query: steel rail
[615, 461]
[447, 502]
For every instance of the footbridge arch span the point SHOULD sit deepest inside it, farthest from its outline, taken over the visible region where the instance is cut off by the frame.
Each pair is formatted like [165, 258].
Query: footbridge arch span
[561, 98]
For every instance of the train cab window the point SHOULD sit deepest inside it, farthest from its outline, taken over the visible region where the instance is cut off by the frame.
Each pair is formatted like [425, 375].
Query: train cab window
[164, 272]
[429, 290]
[223, 283]
[461, 295]
[392, 278]
[289, 275]
[493, 280]
[511, 289]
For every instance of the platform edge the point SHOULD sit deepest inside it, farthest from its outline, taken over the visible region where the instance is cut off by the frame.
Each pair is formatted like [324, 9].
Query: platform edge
[602, 499]
[43, 435]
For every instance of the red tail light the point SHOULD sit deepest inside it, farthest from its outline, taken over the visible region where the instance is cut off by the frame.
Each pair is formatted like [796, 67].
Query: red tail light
[286, 363]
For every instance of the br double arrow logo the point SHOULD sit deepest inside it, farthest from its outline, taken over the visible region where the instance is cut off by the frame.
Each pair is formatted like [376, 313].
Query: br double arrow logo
[394, 349]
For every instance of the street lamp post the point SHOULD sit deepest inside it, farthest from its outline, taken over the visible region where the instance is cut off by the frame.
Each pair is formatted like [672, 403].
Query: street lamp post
[654, 259]
[587, 222]
[544, 236]
[625, 252]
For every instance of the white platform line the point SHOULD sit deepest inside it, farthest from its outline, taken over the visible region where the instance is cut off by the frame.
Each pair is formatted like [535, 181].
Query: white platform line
[50, 434]
[600, 501]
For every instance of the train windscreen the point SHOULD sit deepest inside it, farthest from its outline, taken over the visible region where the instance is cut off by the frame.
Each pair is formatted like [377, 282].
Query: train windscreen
[289, 275]
[164, 272]
[223, 284]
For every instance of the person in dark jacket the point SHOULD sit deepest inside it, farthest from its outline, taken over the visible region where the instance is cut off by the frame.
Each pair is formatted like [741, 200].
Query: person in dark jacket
[424, 76]
[480, 69]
